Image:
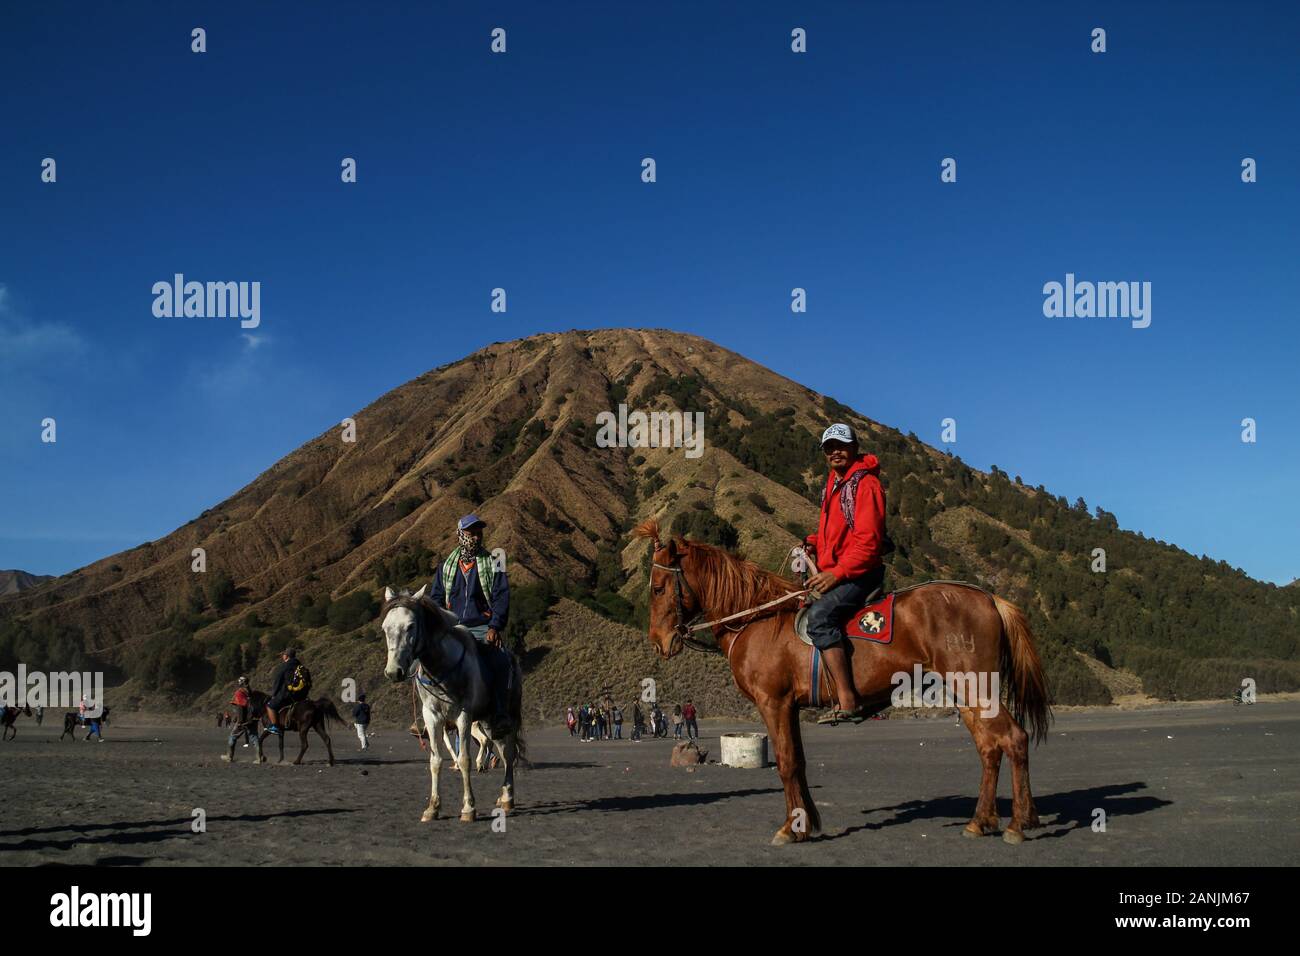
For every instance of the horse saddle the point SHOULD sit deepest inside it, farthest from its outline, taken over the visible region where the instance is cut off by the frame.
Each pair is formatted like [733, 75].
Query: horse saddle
[875, 622]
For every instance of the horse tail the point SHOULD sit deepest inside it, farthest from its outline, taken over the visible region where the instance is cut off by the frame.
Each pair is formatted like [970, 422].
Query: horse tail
[329, 712]
[1022, 671]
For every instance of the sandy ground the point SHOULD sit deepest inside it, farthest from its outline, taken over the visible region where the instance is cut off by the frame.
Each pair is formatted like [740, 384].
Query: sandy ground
[1185, 786]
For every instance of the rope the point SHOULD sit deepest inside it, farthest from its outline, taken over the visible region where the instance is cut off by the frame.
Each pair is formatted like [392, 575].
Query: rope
[753, 610]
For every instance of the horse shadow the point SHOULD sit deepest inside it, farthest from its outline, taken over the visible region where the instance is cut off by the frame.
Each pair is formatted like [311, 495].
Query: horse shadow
[648, 801]
[1072, 809]
[151, 831]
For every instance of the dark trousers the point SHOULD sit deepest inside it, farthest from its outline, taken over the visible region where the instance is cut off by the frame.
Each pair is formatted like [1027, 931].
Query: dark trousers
[827, 615]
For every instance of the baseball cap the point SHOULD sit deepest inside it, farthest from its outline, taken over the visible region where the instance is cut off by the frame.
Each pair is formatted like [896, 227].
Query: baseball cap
[839, 432]
[467, 522]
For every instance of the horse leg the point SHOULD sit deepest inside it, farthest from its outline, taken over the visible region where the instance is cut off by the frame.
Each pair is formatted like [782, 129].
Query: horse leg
[508, 748]
[467, 814]
[1024, 816]
[432, 725]
[782, 720]
[329, 748]
[481, 759]
[302, 736]
[446, 741]
[985, 819]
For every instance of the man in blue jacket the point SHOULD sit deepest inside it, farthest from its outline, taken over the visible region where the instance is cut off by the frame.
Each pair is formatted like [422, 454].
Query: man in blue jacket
[470, 585]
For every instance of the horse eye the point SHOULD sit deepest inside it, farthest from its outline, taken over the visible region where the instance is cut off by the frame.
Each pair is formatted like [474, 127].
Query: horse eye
[659, 589]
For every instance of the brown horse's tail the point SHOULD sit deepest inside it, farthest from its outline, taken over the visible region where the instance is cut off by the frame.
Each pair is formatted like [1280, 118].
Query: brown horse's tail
[329, 712]
[1022, 672]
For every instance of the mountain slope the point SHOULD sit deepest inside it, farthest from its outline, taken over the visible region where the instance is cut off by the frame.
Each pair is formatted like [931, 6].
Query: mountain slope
[11, 582]
[300, 553]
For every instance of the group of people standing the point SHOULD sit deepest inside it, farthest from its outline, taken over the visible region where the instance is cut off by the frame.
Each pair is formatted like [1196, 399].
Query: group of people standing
[605, 722]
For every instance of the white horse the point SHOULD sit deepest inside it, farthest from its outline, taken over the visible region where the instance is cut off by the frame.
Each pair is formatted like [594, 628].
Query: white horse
[453, 688]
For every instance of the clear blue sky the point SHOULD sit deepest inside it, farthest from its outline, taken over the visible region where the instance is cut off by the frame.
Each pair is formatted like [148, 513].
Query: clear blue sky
[775, 170]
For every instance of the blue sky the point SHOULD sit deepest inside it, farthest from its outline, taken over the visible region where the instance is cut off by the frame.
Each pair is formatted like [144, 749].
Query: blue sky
[775, 170]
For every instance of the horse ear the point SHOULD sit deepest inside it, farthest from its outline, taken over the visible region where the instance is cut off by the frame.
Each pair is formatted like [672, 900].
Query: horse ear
[672, 548]
[419, 595]
[389, 594]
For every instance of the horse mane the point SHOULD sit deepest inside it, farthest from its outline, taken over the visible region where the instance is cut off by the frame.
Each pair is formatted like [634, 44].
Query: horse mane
[728, 583]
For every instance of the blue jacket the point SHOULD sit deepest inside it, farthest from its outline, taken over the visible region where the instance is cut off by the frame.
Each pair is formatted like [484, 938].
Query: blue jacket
[467, 601]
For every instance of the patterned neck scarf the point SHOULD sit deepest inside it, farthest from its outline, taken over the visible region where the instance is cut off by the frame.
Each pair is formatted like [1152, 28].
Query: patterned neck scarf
[469, 547]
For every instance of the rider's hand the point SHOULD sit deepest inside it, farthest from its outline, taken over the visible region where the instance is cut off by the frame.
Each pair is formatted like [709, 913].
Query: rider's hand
[823, 581]
[492, 636]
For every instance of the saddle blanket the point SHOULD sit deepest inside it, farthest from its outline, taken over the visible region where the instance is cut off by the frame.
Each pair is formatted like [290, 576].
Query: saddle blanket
[875, 622]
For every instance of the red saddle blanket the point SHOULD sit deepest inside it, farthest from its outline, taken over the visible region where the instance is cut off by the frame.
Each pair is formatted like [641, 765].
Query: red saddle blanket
[875, 622]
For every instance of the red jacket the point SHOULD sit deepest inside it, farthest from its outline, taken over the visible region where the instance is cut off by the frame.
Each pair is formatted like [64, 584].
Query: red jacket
[844, 551]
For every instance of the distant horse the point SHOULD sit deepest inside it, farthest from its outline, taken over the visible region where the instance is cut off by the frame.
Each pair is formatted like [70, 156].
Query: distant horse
[302, 716]
[10, 720]
[71, 718]
[944, 628]
[452, 687]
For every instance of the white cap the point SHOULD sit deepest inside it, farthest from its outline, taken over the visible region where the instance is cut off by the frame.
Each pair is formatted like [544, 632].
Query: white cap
[839, 432]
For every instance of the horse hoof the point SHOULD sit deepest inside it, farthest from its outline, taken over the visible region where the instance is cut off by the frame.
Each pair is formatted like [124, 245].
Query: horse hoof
[428, 814]
[1013, 837]
[506, 806]
[782, 838]
[972, 831]
[469, 817]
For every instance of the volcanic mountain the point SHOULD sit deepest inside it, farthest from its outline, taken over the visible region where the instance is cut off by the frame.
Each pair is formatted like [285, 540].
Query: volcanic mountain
[301, 554]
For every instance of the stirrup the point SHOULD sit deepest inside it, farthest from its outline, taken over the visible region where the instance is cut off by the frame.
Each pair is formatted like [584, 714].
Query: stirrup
[837, 716]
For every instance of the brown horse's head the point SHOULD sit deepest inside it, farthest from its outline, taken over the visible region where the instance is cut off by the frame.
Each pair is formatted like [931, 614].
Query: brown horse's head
[690, 580]
[673, 602]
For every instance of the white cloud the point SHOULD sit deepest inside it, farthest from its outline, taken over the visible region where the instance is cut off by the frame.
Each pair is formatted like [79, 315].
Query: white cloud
[23, 342]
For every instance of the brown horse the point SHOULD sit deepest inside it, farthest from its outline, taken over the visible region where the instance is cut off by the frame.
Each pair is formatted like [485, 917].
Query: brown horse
[302, 716]
[945, 627]
[9, 721]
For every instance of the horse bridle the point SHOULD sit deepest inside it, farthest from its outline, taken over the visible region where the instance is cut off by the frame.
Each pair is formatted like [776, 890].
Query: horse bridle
[683, 629]
[418, 642]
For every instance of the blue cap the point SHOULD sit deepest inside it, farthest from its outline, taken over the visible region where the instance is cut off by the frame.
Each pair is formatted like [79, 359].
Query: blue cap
[467, 522]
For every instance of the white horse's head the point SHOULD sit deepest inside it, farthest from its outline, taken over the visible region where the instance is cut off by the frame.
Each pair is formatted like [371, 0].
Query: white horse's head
[402, 619]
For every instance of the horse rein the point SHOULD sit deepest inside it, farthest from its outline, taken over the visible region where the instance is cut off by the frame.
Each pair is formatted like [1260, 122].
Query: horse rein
[684, 629]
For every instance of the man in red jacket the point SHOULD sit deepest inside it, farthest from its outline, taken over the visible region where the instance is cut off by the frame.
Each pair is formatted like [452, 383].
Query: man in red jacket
[848, 548]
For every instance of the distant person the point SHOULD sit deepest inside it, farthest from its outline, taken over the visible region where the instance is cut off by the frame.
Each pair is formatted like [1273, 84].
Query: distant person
[243, 711]
[677, 721]
[571, 720]
[638, 722]
[40, 714]
[361, 718]
[617, 714]
[689, 715]
[88, 711]
[584, 722]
